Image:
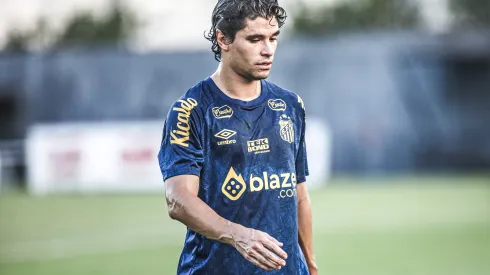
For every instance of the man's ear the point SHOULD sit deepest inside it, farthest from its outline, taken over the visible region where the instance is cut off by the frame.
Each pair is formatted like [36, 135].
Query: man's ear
[223, 41]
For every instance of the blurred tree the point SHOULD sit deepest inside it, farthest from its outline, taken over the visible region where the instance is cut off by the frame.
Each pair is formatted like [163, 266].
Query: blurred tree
[17, 42]
[23, 41]
[357, 15]
[117, 27]
[471, 13]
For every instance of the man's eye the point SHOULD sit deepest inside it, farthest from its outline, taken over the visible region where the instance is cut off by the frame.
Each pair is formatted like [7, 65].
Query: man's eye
[273, 39]
[254, 40]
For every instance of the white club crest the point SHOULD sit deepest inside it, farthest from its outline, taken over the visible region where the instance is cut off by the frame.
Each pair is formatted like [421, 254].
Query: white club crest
[286, 128]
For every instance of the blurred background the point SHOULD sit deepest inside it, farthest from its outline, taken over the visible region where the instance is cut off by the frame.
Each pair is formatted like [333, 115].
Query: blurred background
[397, 94]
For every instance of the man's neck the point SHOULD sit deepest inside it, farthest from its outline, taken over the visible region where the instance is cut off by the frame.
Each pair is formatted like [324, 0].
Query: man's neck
[236, 86]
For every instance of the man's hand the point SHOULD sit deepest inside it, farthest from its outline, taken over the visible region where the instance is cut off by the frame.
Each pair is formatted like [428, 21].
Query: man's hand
[313, 270]
[184, 205]
[259, 248]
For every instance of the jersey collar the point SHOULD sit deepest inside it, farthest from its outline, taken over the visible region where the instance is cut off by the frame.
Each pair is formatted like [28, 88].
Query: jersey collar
[247, 104]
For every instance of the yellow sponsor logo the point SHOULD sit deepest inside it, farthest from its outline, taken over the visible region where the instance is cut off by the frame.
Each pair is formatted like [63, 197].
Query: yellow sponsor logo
[180, 135]
[258, 146]
[277, 104]
[222, 112]
[273, 181]
[288, 193]
[234, 185]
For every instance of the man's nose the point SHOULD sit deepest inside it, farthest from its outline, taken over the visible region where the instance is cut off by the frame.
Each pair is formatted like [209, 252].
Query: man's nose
[268, 49]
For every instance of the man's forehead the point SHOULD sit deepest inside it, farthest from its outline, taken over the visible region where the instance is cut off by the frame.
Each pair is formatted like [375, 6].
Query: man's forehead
[261, 25]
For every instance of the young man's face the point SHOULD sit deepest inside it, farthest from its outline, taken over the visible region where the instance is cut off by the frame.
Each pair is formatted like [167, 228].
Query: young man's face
[251, 53]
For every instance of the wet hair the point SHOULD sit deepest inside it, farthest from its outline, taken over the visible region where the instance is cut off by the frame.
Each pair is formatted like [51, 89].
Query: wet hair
[229, 16]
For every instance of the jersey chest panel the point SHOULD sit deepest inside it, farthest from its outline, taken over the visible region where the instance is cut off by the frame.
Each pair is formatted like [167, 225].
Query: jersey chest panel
[271, 139]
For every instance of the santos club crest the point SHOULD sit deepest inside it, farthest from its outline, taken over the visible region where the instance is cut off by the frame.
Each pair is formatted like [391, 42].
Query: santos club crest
[286, 128]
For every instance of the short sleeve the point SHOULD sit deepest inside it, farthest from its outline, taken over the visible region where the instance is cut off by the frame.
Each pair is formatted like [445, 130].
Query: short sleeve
[181, 147]
[301, 157]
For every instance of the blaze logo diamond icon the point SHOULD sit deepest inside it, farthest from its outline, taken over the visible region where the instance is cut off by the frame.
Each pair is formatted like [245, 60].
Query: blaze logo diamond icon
[234, 185]
[225, 134]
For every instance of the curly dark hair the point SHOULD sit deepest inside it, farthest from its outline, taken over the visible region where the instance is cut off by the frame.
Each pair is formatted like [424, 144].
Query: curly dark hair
[229, 17]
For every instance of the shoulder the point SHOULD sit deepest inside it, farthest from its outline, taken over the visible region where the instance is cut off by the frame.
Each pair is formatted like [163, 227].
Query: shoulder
[188, 111]
[195, 101]
[197, 98]
[291, 99]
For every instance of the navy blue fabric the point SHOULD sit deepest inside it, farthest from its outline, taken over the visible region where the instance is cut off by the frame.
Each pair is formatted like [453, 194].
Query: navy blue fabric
[249, 155]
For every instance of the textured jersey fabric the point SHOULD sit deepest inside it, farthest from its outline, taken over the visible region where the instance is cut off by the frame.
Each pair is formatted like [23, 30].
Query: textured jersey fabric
[249, 155]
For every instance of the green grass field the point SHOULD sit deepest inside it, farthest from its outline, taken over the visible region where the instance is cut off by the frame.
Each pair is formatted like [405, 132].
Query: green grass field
[392, 226]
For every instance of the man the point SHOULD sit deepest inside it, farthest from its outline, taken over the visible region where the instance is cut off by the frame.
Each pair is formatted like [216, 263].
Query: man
[233, 155]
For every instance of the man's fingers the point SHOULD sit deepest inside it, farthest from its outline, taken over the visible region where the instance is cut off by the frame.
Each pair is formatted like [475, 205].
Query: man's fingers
[255, 253]
[272, 257]
[272, 246]
[278, 243]
[257, 263]
[263, 251]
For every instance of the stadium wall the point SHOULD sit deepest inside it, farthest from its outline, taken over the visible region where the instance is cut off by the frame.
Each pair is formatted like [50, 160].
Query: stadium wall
[386, 97]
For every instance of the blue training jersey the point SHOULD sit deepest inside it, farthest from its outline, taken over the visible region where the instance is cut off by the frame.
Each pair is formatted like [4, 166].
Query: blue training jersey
[249, 156]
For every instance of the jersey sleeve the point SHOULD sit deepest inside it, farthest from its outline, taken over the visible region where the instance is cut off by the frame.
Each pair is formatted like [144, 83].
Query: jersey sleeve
[301, 158]
[181, 149]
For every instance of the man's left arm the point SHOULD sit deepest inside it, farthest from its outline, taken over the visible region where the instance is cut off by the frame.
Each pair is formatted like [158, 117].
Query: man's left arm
[305, 227]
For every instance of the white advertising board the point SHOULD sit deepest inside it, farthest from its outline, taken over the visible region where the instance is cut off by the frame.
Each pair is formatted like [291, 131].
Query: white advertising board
[102, 157]
[319, 151]
[122, 157]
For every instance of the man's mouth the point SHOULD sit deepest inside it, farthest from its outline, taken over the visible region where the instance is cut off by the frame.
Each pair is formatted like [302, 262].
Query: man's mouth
[265, 65]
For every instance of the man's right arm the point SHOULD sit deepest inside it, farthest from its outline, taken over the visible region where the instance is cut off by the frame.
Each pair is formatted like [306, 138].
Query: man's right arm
[185, 206]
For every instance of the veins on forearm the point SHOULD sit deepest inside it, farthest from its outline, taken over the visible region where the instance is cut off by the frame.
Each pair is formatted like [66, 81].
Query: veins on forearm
[199, 217]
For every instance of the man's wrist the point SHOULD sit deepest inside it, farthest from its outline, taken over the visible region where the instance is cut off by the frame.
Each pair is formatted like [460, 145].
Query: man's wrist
[312, 265]
[230, 233]
[313, 270]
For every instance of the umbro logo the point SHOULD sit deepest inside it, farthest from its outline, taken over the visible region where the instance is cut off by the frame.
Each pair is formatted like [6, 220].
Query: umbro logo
[226, 135]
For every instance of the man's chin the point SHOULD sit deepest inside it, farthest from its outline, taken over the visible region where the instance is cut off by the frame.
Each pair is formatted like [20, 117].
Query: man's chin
[260, 76]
